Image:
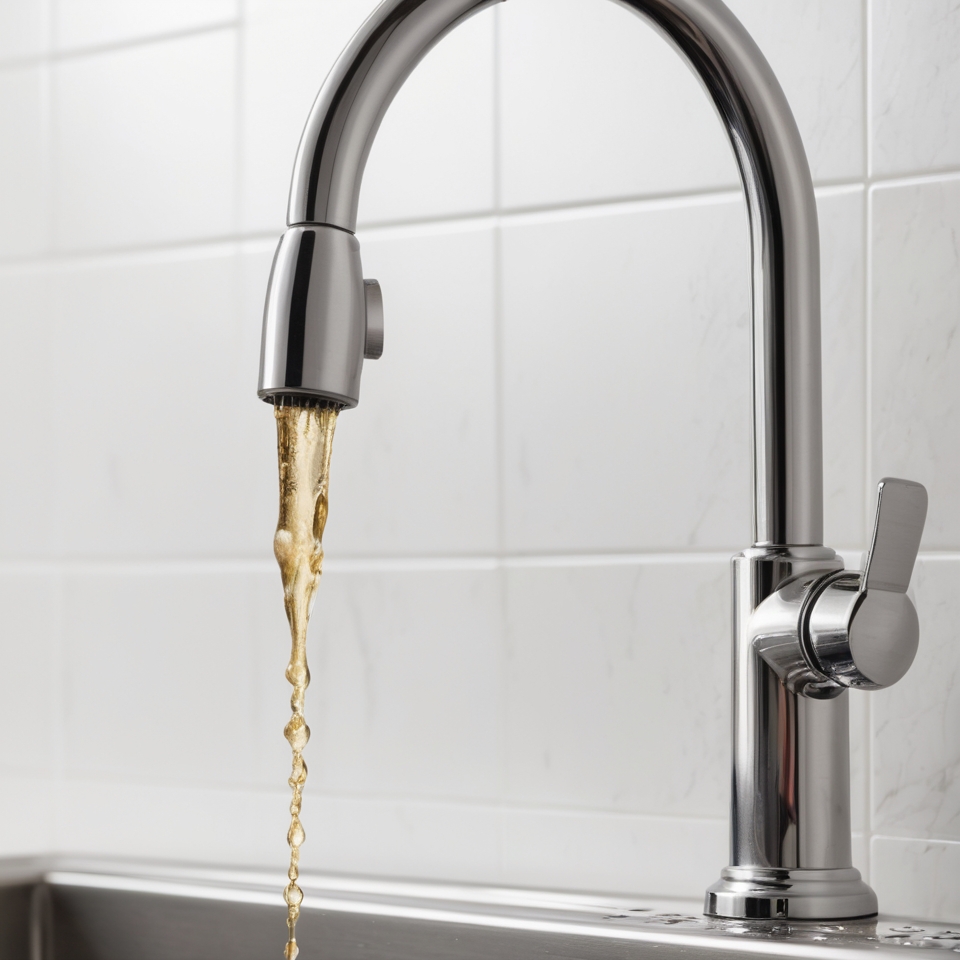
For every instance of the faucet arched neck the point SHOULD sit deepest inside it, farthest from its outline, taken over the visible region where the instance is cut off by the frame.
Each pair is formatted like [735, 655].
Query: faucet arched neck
[776, 180]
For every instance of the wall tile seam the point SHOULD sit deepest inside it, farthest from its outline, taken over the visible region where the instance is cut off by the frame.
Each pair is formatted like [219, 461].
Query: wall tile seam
[910, 181]
[72, 779]
[890, 833]
[387, 564]
[55, 56]
[351, 565]
[380, 231]
[931, 841]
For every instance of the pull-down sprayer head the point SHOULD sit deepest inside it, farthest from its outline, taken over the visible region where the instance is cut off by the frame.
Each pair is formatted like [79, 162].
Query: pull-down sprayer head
[321, 319]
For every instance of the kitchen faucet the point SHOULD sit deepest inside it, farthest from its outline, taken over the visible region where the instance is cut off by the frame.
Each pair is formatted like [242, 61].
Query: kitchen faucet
[804, 630]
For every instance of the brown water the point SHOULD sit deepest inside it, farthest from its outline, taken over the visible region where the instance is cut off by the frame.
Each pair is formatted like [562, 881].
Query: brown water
[304, 444]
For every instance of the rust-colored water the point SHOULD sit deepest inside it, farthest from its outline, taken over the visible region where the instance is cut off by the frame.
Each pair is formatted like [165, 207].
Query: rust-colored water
[304, 444]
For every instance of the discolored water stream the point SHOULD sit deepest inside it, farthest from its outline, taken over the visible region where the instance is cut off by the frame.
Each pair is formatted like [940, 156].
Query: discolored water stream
[304, 445]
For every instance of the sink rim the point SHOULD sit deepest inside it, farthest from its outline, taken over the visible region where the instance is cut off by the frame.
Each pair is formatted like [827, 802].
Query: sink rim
[674, 921]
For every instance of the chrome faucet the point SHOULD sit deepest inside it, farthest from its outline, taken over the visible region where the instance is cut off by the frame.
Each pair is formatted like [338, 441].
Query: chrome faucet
[805, 631]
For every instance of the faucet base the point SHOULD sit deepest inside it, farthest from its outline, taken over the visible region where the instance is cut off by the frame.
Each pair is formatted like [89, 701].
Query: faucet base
[764, 893]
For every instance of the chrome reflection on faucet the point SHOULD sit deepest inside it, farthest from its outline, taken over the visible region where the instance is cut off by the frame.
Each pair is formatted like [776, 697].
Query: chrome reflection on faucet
[804, 630]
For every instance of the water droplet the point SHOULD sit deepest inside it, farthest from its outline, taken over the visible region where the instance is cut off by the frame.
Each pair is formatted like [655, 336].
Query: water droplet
[295, 835]
[297, 732]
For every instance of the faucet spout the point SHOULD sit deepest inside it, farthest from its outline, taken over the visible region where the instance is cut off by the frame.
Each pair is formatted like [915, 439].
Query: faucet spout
[790, 823]
[776, 179]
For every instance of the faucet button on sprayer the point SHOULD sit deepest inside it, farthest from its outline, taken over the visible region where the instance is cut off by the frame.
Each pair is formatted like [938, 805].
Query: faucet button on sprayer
[373, 344]
[863, 628]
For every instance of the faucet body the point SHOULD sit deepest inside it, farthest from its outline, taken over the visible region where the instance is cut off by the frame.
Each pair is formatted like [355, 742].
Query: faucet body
[790, 807]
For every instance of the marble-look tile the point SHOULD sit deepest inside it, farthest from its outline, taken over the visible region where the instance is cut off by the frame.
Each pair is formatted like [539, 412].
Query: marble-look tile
[843, 263]
[29, 474]
[626, 371]
[86, 23]
[164, 820]
[406, 694]
[915, 348]
[23, 29]
[156, 402]
[157, 676]
[28, 815]
[416, 464]
[618, 687]
[915, 81]
[815, 48]
[596, 105]
[23, 171]
[916, 752]
[144, 143]
[30, 672]
[917, 878]
[433, 156]
[586, 850]
[406, 838]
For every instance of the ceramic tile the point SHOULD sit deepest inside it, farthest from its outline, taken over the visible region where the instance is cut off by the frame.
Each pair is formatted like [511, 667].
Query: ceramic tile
[27, 816]
[28, 467]
[156, 452]
[916, 768]
[166, 821]
[145, 143]
[434, 153]
[158, 676]
[916, 878]
[596, 105]
[23, 29]
[85, 23]
[652, 856]
[915, 78]
[844, 365]
[23, 224]
[915, 351]
[415, 467]
[815, 48]
[29, 672]
[626, 378]
[597, 714]
[407, 683]
[406, 838]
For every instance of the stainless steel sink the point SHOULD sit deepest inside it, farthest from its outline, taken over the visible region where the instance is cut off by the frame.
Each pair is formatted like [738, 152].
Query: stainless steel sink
[69, 909]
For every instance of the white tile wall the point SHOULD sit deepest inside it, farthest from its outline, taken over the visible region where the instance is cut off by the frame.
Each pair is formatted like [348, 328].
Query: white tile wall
[23, 189]
[96, 23]
[145, 143]
[915, 72]
[553, 448]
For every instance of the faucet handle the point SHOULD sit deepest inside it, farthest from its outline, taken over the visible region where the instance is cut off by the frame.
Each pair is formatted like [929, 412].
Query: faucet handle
[901, 514]
[862, 629]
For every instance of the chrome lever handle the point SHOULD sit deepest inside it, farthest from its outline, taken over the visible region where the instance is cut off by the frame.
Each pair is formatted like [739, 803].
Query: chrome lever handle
[862, 629]
[901, 514]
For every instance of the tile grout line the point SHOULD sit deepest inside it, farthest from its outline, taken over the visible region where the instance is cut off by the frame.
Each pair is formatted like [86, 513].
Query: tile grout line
[500, 421]
[239, 160]
[52, 55]
[387, 229]
[385, 564]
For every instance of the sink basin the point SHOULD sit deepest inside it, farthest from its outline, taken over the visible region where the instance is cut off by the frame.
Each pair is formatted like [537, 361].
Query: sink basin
[70, 909]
